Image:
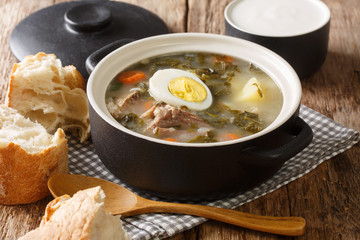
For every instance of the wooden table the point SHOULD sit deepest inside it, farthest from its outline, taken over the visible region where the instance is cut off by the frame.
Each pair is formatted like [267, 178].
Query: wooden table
[328, 197]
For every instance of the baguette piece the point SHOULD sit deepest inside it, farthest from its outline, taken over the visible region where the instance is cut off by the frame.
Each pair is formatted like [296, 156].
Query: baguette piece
[28, 157]
[43, 90]
[81, 217]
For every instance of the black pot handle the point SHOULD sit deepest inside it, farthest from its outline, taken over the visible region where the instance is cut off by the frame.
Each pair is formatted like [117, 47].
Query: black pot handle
[99, 54]
[303, 136]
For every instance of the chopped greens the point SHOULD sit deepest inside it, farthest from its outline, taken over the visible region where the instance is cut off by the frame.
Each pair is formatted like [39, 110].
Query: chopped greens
[131, 121]
[114, 86]
[143, 89]
[220, 115]
[248, 121]
[209, 137]
[217, 77]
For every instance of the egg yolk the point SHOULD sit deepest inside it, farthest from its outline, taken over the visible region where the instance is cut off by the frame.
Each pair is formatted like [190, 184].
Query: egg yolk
[187, 89]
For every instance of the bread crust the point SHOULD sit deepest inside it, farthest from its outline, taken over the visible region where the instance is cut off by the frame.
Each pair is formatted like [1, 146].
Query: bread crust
[82, 216]
[44, 91]
[24, 176]
[73, 78]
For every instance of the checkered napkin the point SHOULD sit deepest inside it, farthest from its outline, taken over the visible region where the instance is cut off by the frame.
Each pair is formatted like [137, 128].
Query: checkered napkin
[329, 140]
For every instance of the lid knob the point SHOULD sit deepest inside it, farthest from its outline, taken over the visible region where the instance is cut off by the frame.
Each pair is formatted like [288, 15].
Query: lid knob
[87, 17]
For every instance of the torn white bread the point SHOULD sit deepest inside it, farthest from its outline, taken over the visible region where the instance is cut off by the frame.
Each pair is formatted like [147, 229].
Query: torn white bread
[82, 216]
[43, 90]
[29, 155]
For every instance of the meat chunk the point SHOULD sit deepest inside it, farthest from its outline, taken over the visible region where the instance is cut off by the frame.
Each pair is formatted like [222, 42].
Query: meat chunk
[166, 116]
[130, 99]
[118, 105]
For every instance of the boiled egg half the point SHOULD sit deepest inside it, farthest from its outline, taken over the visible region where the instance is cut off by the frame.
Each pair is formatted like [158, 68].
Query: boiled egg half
[252, 91]
[180, 88]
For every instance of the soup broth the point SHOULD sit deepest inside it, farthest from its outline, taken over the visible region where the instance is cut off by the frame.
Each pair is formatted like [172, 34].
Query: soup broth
[194, 97]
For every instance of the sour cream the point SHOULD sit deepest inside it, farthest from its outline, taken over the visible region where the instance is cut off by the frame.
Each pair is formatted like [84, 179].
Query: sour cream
[277, 18]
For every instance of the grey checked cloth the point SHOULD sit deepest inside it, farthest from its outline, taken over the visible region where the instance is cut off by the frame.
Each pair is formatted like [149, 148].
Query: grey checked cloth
[330, 139]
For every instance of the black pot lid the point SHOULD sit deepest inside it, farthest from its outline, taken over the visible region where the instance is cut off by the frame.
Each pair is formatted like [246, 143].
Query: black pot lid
[74, 30]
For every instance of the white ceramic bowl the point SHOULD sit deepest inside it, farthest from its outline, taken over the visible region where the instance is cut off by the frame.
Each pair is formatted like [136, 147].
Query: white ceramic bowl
[297, 30]
[278, 69]
[195, 170]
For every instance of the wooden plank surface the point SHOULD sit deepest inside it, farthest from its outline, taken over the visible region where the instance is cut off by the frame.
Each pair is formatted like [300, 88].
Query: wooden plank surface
[328, 197]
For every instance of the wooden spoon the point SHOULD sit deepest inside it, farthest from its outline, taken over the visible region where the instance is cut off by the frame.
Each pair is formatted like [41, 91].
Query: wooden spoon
[119, 200]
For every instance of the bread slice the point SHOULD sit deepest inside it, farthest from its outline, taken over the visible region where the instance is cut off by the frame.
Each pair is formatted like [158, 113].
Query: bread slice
[81, 217]
[28, 157]
[43, 90]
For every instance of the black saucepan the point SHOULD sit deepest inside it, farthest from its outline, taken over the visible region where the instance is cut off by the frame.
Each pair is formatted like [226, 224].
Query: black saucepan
[196, 171]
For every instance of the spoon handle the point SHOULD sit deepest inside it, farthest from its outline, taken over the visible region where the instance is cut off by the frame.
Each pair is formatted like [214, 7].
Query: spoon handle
[289, 226]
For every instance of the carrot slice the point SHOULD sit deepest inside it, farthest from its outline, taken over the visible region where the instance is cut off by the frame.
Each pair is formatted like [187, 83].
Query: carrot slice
[131, 77]
[148, 105]
[228, 59]
[230, 136]
[169, 139]
[224, 58]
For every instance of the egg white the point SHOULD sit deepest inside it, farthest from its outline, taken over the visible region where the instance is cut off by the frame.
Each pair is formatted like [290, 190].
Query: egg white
[158, 88]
